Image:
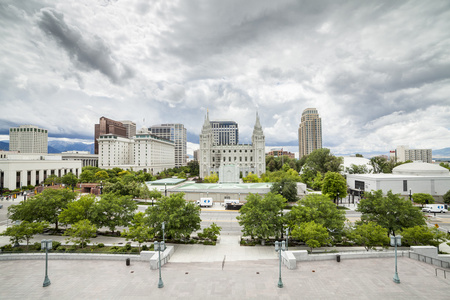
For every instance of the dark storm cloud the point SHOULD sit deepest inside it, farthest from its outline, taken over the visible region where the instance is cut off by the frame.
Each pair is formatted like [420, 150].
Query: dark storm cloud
[87, 53]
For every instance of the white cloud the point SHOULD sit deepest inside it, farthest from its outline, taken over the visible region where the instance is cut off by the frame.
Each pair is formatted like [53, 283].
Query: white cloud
[376, 82]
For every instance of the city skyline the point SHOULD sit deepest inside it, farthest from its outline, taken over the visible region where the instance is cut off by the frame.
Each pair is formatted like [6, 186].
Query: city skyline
[378, 73]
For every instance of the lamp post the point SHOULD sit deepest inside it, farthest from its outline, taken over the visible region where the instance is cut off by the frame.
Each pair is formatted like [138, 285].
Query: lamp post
[396, 240]
[160, 246]
[280, 246]
[165, 189]
[1, 183]
[410, 195]
[163, 227]
[287, 236]
[47, 245]
[25, 196]
[101, 187]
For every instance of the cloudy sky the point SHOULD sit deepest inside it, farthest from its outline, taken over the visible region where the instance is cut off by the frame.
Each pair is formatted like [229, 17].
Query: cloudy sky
[377, 71]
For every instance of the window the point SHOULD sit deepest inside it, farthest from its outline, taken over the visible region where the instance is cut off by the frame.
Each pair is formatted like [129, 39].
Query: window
[405, 185]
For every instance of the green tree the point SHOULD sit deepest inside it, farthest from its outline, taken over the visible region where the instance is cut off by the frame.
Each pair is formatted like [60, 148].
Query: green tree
[251, 178]
[447, 197]
[262, 217]
[357, 169]
[43, 207]
[422, 235]
[81, 232]
[112, 211]
[286, 188]
[321, 210]
[24, 231]
[369, 235]
[422, 198]
[70, 180]
[138, 231]
[213, 178]
[334, 186]
[313, 234]
[193, 167]
[52, 180]
[317, 182]
[181, 218]
[320, 160]
[82, 209]
[210, 232]
[379, 163]
[391, 211]
[101, 175]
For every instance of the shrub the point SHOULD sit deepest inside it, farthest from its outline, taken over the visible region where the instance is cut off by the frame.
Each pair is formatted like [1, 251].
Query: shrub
[55, 244]
[144, 248]
[209, 243]
[7, 248]
[134, 250]
[36, 246]
[61, 248]
[100, 245]
[127, 247]
[115, 249]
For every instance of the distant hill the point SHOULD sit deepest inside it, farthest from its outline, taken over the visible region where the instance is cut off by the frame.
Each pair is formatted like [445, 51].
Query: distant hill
[58, 146]
[441, 153]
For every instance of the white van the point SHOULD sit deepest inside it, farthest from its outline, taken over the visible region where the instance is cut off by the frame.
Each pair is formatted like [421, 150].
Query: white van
[435, 208]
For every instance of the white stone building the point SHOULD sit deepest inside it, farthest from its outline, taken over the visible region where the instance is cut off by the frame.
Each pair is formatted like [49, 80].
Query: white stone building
[243, 158]
[176, 133]
[408, 178]
[145, 152]
[28, 139]
[17, 170]
[86, 158]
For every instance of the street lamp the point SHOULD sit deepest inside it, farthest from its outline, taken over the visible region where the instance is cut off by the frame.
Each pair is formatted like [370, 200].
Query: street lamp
[410, 195]
[160, 246]
[47, 245]
[163, 227]
[287, 236]
[280, 246]
[25, 196]
[396, 240]
[101, 187]
[165, 189]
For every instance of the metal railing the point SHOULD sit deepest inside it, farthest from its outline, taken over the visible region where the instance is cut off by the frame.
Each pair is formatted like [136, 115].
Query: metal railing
[436, 269]
[429, 260]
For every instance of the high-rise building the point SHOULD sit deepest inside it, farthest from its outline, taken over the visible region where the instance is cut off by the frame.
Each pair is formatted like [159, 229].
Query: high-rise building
[28, 139]
[131, 128]
[232, 159]
[175, 133]
[106, 126]
[144, 151]
[309, 132]
[403, 153]
[225, 132]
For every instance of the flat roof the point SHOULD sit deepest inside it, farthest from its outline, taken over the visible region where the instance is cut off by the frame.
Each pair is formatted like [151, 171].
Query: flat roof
[168, 181]
[225, 186]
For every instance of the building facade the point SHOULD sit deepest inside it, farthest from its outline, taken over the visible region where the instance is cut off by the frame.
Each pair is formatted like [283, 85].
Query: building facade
[145, 152]
[225, 132]
[280, 152]
[245, 157]
[18, 169]
[309, 132]
[130, 127]
[403, 153]
[106, 126]
[177, 134]
[86, 158]
[28, 139]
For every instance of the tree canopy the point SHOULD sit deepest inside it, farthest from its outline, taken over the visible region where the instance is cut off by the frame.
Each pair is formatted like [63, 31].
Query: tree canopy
[321, 210]
[181, 218]
[334, 186]
[286, 188]
[369, 235]
[313, 234]
[391, 211]
[422, 198]
[262, 217]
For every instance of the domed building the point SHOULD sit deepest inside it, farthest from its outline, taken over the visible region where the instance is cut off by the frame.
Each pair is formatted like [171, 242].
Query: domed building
[406, 179]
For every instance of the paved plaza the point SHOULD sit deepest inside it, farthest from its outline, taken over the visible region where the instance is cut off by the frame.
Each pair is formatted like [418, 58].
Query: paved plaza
[256, 279]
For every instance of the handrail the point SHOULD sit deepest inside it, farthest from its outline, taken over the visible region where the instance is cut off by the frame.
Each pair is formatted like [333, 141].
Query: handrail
[430, 260]
[435, 270]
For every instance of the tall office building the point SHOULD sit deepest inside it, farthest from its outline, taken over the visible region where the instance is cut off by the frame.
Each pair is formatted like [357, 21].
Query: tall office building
[28, 139]
[106, 126]
[309, 132]
[403, 153]
[175, 133]
[225, 132]
[131, 128]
